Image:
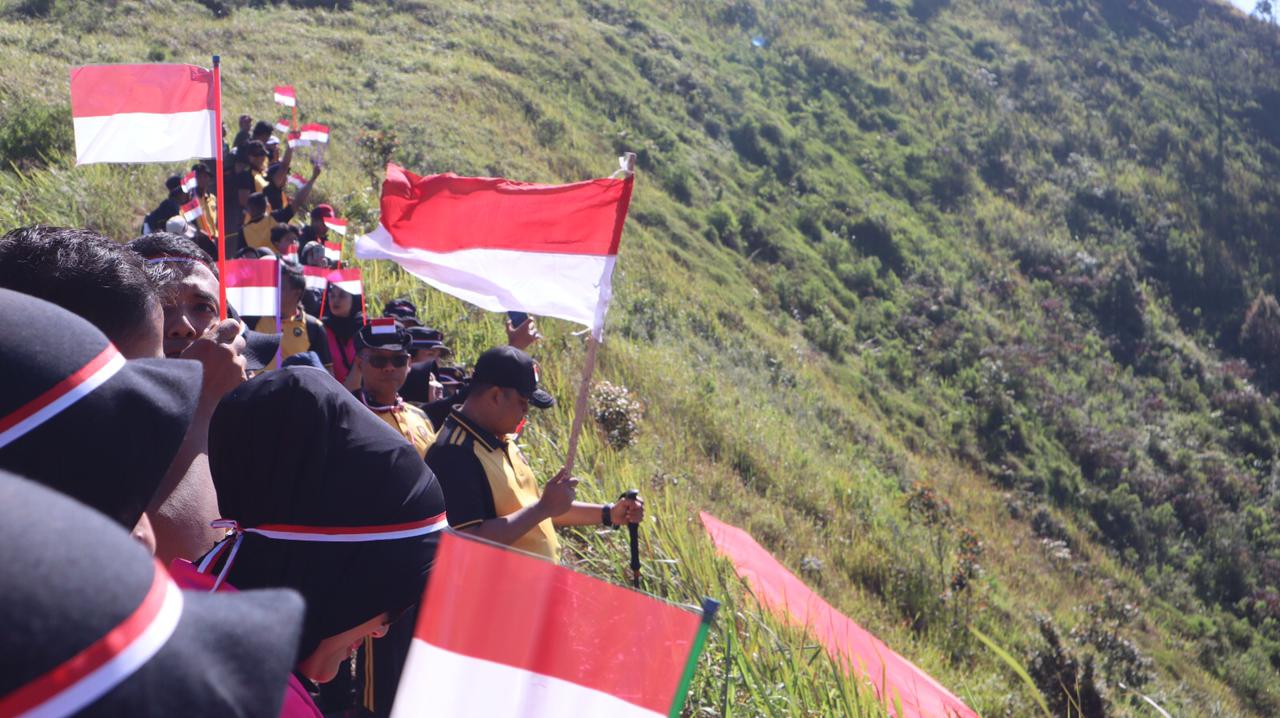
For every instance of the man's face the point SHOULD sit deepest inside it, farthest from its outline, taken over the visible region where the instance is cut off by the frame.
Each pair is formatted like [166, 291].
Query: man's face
[147, 341]
[190, 308]
[385, 379]
[258, 161]
[510, 408]
[322, 229]
[425, 355]
[290, 298]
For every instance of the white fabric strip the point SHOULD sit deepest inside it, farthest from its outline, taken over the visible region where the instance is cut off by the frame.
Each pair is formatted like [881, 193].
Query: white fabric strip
[436, 682]
[144, 137]
[76, 393]
[313, 537]
[351, 286]
[118, 669]
[253, 301]
[567, 286]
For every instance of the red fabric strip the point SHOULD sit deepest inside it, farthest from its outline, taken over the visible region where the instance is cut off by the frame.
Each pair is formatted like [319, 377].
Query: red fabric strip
[498, 605]
[98, 90]
[447, 213]
[250, 273]
[60, 389]
[94, 655]
[857, 649]
[386, 528]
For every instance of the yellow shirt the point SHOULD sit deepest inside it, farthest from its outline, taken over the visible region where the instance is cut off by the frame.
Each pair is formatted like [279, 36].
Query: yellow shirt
[257, 233]
[411, 423]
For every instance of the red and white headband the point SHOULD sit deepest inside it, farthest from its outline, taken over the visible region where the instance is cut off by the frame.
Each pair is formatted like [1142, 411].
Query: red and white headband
[105, 663]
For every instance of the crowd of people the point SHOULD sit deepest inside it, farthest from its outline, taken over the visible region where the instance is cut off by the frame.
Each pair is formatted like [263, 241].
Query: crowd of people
[290, 479]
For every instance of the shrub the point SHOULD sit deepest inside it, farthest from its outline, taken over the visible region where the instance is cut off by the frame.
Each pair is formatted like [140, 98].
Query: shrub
[616, 413]
[32, 132]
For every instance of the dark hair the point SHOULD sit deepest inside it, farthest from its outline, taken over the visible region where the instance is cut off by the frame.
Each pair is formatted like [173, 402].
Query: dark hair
[253, 147]
[291, 275]
[82, 272]
[279, 231]
[262, 128]
[166, 245]
[257, 200]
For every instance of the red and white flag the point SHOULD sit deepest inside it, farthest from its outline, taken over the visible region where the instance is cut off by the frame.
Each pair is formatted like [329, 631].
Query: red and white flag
[192, 210]
[349, 280]
[297, 181]
[336, 224]
[896, 680]
[295, 140]
[502, 245]
[315, 277]
[142, 113]
[286, 96]
[189, 182]
[314, 133]
[503, 634]
[290, 252]
[383, 325]
[252, 286]
[283, 126]
[333, 251]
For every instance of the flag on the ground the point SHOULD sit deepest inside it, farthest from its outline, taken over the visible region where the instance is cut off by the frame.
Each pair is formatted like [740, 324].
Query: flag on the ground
[286, 96]
[142, 113]
[295, 140]
[502, 245]
[348, 279]
[333, 251]
[315, 277]
[336, 224]
[314, 133]
[297, 180]
[895, 678]
[252, 286]
[189, 182]
[503, 634]
[192, 210]
[283, 126]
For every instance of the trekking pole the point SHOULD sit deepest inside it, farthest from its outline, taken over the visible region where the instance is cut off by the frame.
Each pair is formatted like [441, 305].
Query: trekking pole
[634, 529]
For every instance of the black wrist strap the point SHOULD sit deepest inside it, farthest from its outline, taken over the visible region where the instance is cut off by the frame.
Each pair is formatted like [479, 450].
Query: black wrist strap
[606, 515]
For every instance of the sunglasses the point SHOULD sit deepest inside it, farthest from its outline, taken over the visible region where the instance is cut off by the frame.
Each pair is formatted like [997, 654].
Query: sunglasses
[380, 362]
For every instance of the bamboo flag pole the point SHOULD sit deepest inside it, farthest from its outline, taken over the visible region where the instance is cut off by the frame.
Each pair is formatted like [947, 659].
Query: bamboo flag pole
[222, 205]
[589, 366]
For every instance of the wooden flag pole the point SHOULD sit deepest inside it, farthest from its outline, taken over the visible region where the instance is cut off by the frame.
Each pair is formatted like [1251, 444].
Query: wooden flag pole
[295, 114]
[222, 205]
[589, 368]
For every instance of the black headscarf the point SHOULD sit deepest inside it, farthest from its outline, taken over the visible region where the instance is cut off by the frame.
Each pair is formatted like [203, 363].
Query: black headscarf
[70, 576]
[344, 327]
[110, 447]
[294, 447]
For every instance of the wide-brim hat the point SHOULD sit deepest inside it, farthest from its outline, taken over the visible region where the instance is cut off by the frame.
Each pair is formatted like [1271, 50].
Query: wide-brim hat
[76, 416]
[91, 625]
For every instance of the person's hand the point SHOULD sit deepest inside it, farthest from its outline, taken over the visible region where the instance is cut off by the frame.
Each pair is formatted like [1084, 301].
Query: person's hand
[523, 336]
[628, 511]
[246, 123]
[219, 352]
[558, 494]
[317, 166]
[435, 390]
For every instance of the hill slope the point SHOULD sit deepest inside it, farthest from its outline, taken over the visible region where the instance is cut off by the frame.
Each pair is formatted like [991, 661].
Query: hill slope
[907, 287]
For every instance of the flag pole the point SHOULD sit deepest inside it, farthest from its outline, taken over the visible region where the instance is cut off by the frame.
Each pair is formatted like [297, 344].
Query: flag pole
[593, 344]
[710, 607]
[222, 206]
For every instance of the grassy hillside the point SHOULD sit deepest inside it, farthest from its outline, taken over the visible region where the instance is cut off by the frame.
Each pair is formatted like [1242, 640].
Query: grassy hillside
[964, 309]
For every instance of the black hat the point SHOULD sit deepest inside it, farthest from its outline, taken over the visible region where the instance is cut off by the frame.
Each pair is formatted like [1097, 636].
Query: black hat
[385, 333]
[71, 578]
[75, 416]
[402, 310]
[426, 338]
[512, 368]
[174, 183]
[316, 476]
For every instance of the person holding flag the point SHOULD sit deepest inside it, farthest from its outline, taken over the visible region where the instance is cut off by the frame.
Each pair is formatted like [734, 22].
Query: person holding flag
[170, 206]
[489, 487]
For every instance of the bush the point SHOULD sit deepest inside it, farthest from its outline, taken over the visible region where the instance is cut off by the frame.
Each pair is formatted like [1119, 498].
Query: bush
[31, 133]
[616, 413]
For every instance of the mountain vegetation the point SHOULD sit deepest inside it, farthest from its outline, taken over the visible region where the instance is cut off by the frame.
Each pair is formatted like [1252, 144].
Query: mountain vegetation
[966, 309]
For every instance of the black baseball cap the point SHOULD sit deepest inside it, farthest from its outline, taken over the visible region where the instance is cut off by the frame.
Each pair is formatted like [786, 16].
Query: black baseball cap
[511, 368]
[385, 333]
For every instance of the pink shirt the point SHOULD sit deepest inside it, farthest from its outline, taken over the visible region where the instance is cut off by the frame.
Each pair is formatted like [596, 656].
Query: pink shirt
[297, 702]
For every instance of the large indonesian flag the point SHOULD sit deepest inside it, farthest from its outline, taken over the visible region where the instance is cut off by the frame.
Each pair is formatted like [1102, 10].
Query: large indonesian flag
[142, 113]
[895, 678]
[504, 245]
[503, 634]
[252, 286]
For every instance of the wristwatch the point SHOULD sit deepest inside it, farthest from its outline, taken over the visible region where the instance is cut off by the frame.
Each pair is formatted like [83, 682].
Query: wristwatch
[606, 515]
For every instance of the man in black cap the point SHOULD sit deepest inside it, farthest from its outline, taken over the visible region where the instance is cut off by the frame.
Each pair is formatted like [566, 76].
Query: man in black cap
[489, 488]
[384, 365]
[403, 311]
[422, 385]
[171, 205]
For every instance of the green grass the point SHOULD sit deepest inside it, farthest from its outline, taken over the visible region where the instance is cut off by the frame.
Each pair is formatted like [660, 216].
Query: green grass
[853, 267]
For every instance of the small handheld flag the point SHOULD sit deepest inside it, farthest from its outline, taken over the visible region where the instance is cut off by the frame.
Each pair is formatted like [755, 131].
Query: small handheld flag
[333, 251]
[290, 252]
[297, 181]
[295, 140]
[314, 133]
[349, 280]
[383, 325]
[286, 96]
[336, 224]
[283, 126]
[315, 277]
[189, 183]
[192, 211]
[251, 286]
